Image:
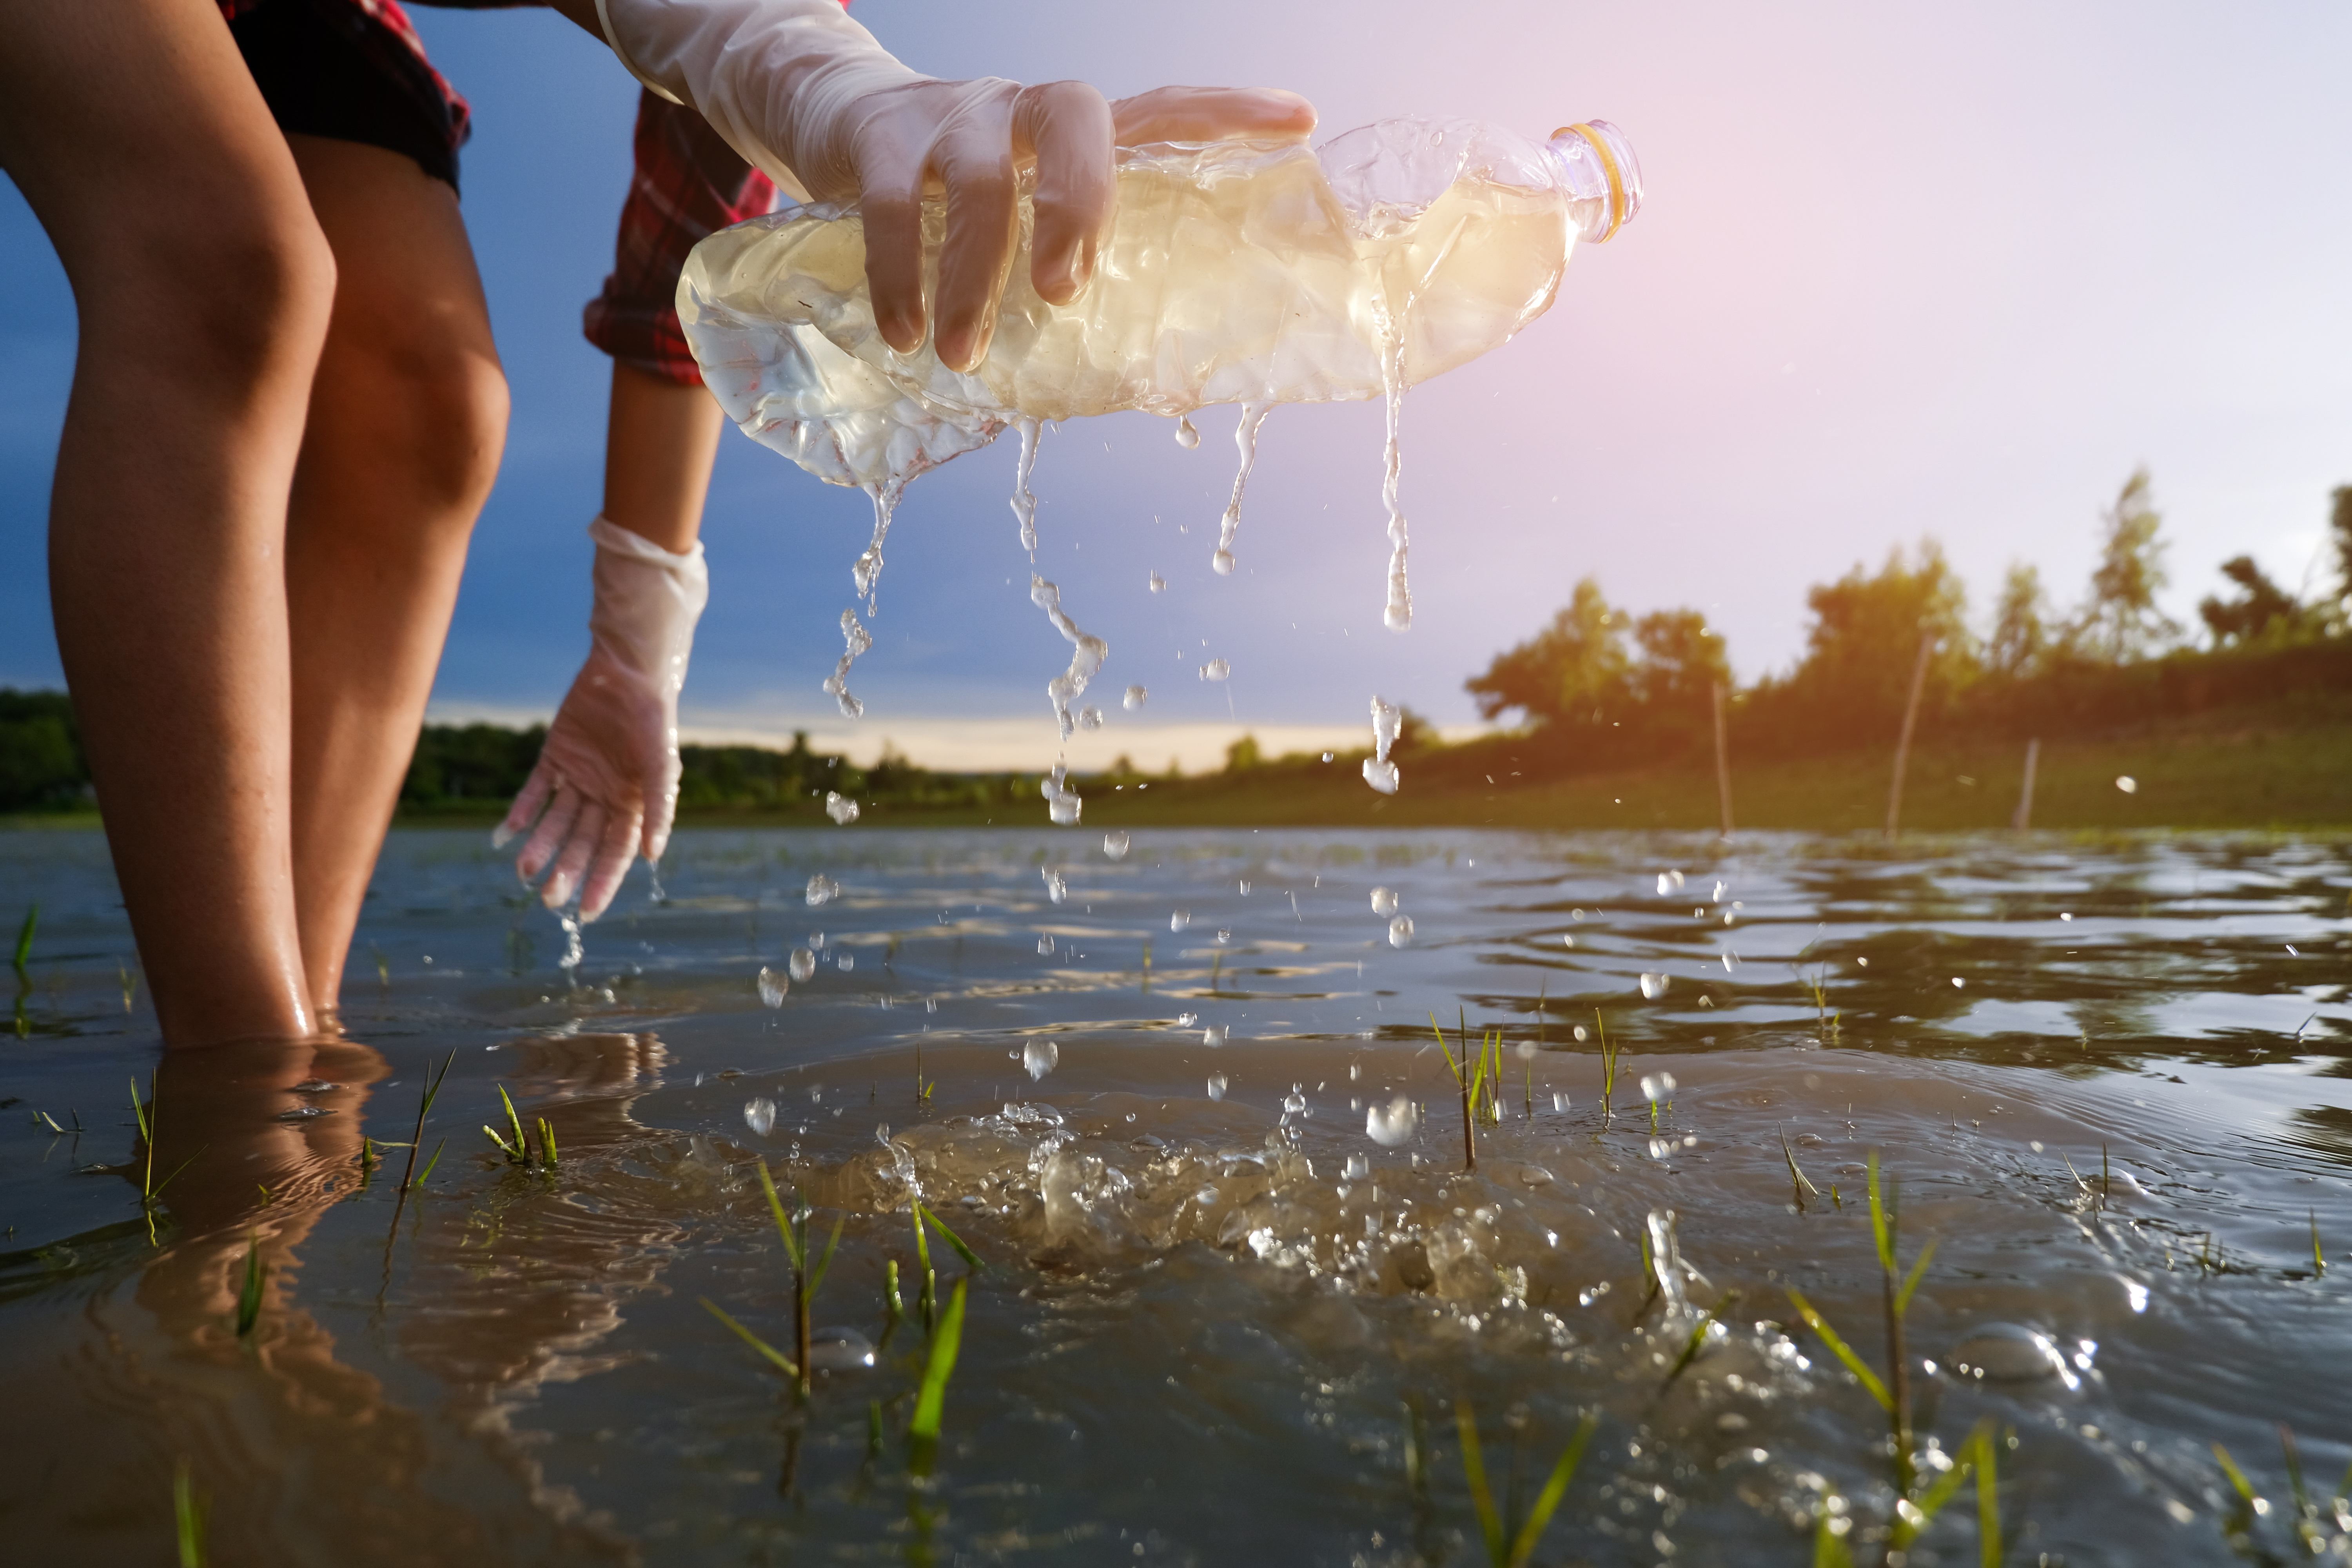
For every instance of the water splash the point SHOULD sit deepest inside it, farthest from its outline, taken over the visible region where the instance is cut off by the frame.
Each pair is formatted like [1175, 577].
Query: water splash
[1667, 1265]
[866, 571]
[1135, 696]
[1062, 803]
[1398, 615]
[1025, 500]
[1086, 657]
[572, 950]
[1391, 1124]
[855, 641]
[1388, 721]
[1254, 415]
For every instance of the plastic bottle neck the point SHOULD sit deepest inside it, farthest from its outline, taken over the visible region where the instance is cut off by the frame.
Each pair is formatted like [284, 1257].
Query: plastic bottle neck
[1601, 176]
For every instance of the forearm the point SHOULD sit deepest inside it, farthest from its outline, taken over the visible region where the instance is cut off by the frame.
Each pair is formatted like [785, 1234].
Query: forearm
[658, 448]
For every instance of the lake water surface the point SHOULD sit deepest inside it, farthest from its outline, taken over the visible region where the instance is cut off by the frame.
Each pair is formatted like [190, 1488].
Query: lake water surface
[2111, 1078]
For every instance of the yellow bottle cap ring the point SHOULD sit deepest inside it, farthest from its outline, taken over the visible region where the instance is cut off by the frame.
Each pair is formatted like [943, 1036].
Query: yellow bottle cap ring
[1609, 168]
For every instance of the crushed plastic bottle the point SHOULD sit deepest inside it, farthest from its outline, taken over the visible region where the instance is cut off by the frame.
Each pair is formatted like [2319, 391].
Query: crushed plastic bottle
[1385, 256]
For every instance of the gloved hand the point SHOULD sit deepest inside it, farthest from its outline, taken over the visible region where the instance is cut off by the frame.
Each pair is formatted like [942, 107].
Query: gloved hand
[607, 776]
[804, 92]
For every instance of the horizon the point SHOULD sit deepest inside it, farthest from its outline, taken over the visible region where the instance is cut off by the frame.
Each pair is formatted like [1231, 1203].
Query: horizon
[1760, 383]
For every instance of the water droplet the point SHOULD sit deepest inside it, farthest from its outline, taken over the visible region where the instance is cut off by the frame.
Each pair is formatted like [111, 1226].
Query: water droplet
[1213, 1035]
[1217, 1086]
[304, 1113]
[1090, 718]
[803, 964]
[1566, 939]
[1579, 1032]
[1653, 985]
[1661, 1147]
[2128, 785]
[1215, 669]
[1957, 983]
[1730, 963]
[1326, 756]
[1391, 1124]
[840, 1349]
[1658, 1086]
[1295, 1100]
[773, 988]
[846, 962]
[1135, 698]
[1186, 1020]
[1559, 1102]
[1359, 1167]
[1535, 1176]
[1159, 583]
[1057, 889]
[1179, 920]
[1400, 930]
[1045, 946]
[1244, 888]
[1039, 1057]
[1114, 846]
[822, 890]
[1384, 901]
[2005, 1353]
[1224, 937]
[1188, 435]
[1388, 723]
[759, 1116]
[840, 807]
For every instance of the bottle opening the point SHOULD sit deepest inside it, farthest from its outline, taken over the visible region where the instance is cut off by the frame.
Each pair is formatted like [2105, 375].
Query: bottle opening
[1602, 169]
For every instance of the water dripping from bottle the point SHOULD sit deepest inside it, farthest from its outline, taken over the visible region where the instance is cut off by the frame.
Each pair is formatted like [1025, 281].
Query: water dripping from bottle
[1087, 657]
[1388, 721]
[1025, 500]
[1245, 438]
[1188, 435]
[854, 640]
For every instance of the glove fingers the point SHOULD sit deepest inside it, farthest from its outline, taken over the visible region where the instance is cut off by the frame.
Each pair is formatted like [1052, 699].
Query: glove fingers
[526, 804]
[552, 830]
[613, 853]
[973, 156]
[565, 879]
[1213, 114]
[1068, 128]
[890, 200]
[661, 807]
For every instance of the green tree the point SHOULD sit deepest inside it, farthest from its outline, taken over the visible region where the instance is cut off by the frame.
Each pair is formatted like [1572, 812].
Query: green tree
[1865, 640]
[2261, 606]
[2121, 623]
[2020, 627]
[2339, 526]
[1243, 755]
[1681, 662]
[1574, 671]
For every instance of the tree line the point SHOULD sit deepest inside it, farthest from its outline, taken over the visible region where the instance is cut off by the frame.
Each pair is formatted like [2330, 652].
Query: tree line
[1602, 684]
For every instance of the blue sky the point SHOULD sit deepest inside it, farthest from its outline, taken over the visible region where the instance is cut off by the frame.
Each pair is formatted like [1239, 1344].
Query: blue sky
[1903, 271]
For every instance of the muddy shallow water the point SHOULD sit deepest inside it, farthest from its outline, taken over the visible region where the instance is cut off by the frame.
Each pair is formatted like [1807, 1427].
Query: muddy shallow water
[2111, 1078]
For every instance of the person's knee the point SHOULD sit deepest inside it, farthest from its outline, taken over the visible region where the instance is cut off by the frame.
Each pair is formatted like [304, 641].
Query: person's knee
[454, 407]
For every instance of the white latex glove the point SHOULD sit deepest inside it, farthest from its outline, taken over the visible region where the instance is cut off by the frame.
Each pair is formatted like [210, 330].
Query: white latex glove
[804, 92]
[607, 776]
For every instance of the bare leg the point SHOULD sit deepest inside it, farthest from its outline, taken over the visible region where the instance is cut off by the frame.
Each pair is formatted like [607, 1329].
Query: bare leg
[203, 287]
[407, 415]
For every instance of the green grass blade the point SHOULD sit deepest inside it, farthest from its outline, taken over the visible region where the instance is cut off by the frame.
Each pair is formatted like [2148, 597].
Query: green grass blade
[930, 1400]
[2318, 1258]
[1911, 1280]
[1829, 1550]
[816, 1275]
[432, 1161]
[971, 1258]
[521, 1152]
[547, 1142]
[1795, 1175]
[188, 1518]
[1931, 1502]
[139, 1110]
[1450, 1062]
[783, 1220]
[1881, 1221]
[1844, 1351]
[1482, 1497]
[922, 1244]
[1698, 1339]
[24, 938]
[893, 1307]
[782, 1361]
[1547, 1501]
[1988, 1501]
[2238, 1482]
[249, 1299]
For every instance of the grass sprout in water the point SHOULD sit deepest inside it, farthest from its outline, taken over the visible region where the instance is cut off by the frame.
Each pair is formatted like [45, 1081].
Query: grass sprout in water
[1507, 1548]
[518, 1148]
[793, 1226]
[188, 1512]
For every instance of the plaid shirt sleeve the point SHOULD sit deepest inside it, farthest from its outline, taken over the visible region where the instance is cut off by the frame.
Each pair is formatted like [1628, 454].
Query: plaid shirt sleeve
[687, 184]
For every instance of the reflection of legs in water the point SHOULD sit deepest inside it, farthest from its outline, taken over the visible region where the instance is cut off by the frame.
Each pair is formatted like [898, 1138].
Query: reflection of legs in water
[407, 415]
